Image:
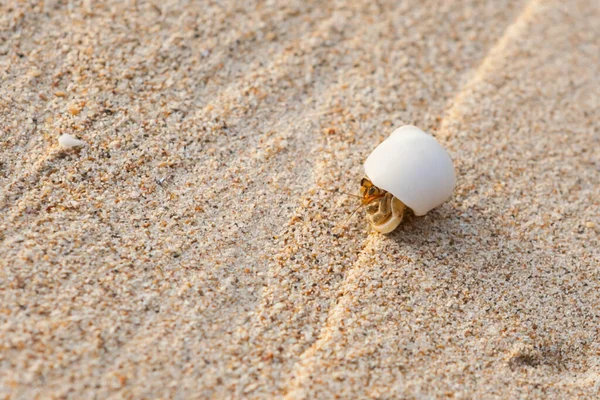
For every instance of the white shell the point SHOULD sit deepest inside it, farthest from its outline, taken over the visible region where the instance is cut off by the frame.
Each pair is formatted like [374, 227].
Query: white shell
[414, 167]
[67, 140]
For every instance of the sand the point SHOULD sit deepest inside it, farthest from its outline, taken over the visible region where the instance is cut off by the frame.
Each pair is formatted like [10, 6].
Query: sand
[187, 250]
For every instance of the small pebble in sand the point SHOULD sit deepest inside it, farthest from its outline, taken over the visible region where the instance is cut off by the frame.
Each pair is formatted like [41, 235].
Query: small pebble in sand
[34, 73]
[74, 109]
[69, 141]
[410, 168]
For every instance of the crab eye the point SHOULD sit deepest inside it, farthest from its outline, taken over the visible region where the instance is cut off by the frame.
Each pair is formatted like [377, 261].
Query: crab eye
[371, 191]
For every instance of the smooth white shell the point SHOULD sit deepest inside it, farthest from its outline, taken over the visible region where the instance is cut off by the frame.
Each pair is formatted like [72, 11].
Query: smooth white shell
[414, 167]
[67, 140]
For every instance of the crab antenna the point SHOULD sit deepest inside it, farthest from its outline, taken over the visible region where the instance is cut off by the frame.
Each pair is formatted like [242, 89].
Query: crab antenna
[350, 217]
[340, 192]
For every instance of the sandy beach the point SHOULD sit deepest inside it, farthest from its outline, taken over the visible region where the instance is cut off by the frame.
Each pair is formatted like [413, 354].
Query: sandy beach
[189, 248]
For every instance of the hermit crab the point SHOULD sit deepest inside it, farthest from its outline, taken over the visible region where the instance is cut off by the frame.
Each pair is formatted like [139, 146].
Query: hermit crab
[409, 169]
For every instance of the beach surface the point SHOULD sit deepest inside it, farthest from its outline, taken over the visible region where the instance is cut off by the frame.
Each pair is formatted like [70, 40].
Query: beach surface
[189, 250]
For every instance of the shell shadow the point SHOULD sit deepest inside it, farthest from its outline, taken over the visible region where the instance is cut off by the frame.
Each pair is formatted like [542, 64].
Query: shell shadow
[457, 236]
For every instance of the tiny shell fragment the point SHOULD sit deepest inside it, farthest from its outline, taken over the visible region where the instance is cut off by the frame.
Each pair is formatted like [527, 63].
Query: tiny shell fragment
[67, 140]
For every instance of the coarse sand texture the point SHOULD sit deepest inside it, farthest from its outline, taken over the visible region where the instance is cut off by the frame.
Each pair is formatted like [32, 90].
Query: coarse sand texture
[183, 241]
